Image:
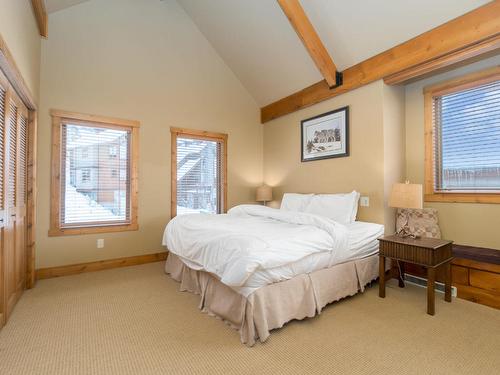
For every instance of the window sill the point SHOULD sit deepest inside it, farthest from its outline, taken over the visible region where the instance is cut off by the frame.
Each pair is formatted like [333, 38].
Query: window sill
[54, 232]
[463, 197]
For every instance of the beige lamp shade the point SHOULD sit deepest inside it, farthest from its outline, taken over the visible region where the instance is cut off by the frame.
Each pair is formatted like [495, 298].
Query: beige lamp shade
[264, 194]
[406, 196]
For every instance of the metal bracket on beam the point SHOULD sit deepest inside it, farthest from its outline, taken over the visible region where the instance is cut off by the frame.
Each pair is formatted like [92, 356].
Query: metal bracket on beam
[339, 79]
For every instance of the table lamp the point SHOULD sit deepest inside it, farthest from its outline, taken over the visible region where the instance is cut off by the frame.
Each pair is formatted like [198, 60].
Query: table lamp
[406, 196]
[264, 194]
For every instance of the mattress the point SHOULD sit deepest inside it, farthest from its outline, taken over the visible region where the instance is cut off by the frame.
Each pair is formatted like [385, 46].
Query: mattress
[249, 238]
[362, 242]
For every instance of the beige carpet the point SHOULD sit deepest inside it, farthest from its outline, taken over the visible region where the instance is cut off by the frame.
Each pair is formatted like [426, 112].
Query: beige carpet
[134, 321]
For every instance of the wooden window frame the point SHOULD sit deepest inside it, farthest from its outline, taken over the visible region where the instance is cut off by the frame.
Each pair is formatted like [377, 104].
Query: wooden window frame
[458, 84]
[58, 119]
[195, 134]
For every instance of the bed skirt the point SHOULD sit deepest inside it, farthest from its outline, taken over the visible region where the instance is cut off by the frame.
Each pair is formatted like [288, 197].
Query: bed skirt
[273, 305]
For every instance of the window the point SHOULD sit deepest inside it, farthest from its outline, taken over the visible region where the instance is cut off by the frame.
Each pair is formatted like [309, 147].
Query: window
[113, 151]
[88, 197]
[199, 161]
[85, 152]
[85, 175]
[463, 139]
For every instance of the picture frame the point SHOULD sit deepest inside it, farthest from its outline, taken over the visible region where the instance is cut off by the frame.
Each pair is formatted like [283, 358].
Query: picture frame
[325, 136]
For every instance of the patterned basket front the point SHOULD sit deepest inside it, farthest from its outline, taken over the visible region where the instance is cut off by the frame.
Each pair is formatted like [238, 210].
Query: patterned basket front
[421, 222]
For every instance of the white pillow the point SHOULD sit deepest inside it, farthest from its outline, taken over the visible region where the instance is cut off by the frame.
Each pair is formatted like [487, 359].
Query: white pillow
[339, 207]
[355, 205]
[295, 202]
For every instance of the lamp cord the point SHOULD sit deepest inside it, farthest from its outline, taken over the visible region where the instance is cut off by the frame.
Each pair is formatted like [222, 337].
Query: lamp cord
[401, 276]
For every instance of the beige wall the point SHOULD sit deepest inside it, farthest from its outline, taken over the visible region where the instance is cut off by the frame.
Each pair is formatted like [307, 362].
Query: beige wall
[394, 146]
[363, 170]
[160, 70]
[145, 62]
[464, 223]
[19, 30]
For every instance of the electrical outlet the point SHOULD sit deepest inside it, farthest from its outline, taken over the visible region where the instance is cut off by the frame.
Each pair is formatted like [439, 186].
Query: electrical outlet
[100, 243]
[364, 202]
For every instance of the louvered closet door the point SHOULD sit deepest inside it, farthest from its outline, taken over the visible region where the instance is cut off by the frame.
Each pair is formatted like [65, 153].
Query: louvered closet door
[20, 200]
[15, 200]
[3, 101]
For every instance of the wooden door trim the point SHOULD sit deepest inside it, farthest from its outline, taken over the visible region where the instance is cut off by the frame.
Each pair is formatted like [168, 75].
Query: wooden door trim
[31, 196]
[9, 67]
[18, 211]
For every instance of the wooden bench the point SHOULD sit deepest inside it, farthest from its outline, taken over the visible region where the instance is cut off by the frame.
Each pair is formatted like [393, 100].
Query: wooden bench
[475, 273]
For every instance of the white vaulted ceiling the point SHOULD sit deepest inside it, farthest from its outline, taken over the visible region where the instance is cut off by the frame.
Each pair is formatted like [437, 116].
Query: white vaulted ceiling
[256, 40]
[56, 5]
[258, 43]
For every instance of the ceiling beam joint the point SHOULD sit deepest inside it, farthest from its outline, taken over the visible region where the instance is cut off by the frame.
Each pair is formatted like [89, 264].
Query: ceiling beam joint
[41, 17]
[307, 34]
[470, 36]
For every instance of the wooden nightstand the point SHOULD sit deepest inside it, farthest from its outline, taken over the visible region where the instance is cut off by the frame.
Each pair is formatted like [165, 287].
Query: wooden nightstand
[428, 252]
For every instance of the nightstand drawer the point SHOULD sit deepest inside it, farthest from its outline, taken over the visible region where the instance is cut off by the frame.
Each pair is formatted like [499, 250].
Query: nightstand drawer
[415, 254]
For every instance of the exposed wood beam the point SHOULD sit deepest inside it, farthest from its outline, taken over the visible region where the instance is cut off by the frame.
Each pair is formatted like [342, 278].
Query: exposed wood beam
[41, 16]
[305, 30]
[462, 33]
[490, 45]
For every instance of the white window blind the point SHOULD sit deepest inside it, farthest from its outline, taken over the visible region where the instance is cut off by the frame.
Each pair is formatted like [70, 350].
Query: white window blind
[199, 176]
[467, 139]
[92, 193]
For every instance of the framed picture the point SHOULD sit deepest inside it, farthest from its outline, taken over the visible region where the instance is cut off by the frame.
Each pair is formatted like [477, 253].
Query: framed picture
[325, 136]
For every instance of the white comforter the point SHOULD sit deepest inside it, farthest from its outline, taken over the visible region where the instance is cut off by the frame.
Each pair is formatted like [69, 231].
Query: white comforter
[248, 238]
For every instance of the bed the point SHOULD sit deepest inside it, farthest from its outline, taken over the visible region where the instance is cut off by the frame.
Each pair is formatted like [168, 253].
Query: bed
[257, 268]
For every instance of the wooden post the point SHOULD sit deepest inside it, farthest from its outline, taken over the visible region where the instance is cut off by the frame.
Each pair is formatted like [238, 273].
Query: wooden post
[431, 278]
[381, 271]
[447, 282]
